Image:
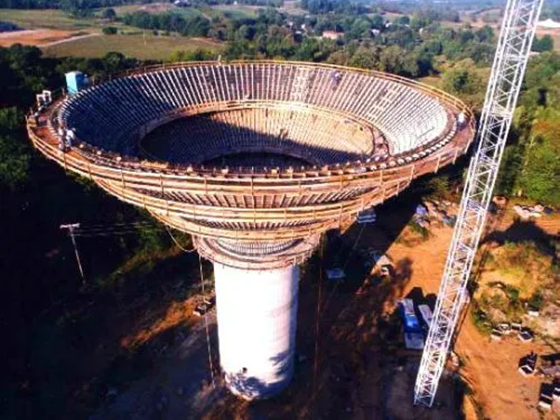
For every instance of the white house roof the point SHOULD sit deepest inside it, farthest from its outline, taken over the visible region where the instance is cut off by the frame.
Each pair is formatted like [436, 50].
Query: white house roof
[549, 23]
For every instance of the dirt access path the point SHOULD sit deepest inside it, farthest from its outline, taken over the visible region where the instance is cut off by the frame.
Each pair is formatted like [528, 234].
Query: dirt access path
[75, 38]
[41, 37]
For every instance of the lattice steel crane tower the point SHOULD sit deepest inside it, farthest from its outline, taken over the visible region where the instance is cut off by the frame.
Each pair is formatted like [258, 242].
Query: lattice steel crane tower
[512, 53]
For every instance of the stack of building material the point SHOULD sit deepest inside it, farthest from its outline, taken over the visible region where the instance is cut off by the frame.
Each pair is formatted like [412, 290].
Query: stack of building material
[527, 364]
[367, 217]
[336, 274]
[526, 335]
[546, 398]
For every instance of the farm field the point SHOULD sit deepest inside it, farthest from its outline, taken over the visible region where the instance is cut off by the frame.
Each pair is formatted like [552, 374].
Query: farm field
[40, 37]
[62, 35]
[49, 19]
[151, 8]
[238, 11]
[144, 48]
[466, 20]
[292, 8]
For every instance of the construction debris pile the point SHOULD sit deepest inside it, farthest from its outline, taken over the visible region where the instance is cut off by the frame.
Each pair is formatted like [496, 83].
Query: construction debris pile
[504, 329]
[430, 210]
[531, 212]
[546, 367]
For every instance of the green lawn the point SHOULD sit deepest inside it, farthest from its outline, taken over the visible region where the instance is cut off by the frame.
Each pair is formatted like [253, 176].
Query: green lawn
[123, 10]
[291, 7]
[390, 16]
[239, 11]
[55, 19]
[148, 47]
[430, 80]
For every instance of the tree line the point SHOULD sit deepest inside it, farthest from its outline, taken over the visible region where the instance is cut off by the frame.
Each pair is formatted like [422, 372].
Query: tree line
[69, 5]
[172, 22]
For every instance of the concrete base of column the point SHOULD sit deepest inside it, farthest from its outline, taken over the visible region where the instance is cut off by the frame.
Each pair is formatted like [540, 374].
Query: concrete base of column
[257, 316]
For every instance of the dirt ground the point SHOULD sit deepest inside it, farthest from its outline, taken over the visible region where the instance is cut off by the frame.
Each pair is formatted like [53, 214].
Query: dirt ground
[490, 368]
[38, 37]
[351, 360]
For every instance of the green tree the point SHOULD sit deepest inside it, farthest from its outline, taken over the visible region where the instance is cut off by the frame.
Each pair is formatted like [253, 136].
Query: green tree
[359, 29]
[364, 57]
[546, 43]
[531, 166]
[339, 57]
[245, 32]
[420, 20]
[462, 79]
[378, 22]
[14, 153]
[109, 14]
[196, 55]
[539, 178]
[77, 8]
[485, 34]
[402, 20]
[109, 30]
[391, 59]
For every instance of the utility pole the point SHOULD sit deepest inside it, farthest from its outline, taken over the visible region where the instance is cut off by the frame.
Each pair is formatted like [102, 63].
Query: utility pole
[70, 228]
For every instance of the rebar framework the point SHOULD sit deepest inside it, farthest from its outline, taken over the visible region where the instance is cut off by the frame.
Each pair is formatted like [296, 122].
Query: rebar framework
[514, 45]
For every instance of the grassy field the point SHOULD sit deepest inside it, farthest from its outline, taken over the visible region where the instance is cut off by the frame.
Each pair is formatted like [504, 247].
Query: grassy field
[389, 15]
[430, 80]
[291, 7]
[148, 47]
[134, 45]
[50, 19]
[555, 34]
[238, 11]
[57, 19]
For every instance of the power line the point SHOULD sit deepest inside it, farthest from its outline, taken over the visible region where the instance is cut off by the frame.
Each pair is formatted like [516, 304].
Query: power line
[344, 266]
[115, 229]
[318, 318]
[70, 228]
[188, 251]
[118, 224]
[116, 232]
[208, 345]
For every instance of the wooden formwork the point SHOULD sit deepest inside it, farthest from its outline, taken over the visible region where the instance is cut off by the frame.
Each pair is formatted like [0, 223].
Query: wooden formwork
[248, 205]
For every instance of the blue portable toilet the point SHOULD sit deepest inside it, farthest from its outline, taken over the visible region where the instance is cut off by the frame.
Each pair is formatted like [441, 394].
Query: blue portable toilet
[421, 210]
[408, 314]
[76, 81]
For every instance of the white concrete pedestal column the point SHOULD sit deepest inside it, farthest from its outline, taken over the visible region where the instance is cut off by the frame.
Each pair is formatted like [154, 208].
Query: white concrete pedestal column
[257, 316]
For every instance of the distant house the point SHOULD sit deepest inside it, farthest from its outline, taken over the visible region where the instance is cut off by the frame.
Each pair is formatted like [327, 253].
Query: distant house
[332, 35]
[549, 24]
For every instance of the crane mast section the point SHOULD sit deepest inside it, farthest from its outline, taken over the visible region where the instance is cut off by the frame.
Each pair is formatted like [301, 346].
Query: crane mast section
[510, 61]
